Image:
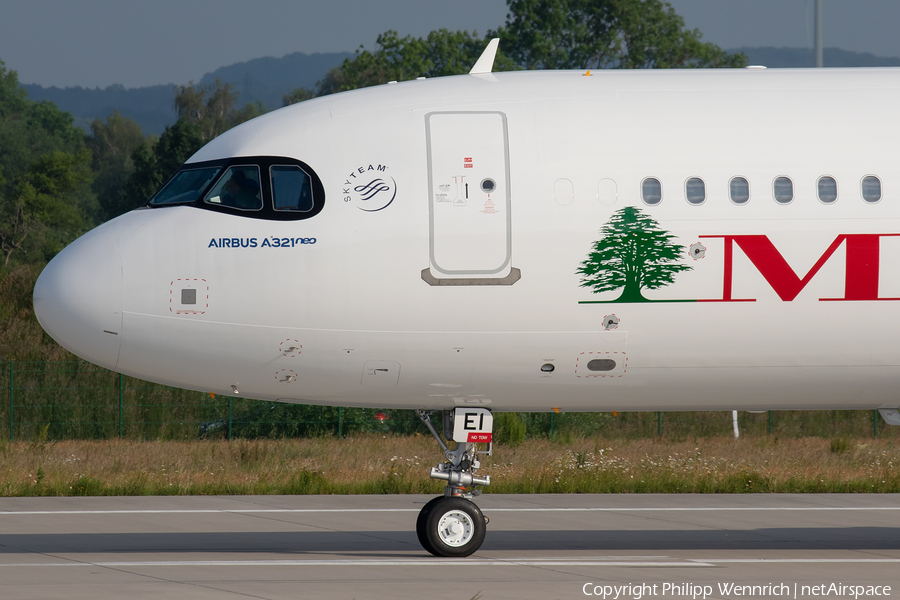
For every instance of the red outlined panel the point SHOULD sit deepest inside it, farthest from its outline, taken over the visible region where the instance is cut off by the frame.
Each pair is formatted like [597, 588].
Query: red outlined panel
[581, 365]
[285, 376]
[175, 305]
[290, 348]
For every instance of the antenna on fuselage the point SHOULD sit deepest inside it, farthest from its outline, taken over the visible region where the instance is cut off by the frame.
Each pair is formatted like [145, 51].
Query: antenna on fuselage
[485, 62]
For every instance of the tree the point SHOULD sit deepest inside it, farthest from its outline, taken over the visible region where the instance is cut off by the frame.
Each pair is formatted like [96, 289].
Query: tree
[212, 108]
[596, 34]
[440, 54]
[30, 129]
[204, 113]
[297, 95]
[45, 195]
[39, 215]
[251, 110]
[633, 253]
[540, 34]
[113, 143]
[13, 98]
[156, 161]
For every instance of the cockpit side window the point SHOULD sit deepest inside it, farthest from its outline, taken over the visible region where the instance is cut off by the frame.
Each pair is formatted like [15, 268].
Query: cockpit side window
[238, 188]
[291, 188]
[186, 186]
[273, 188]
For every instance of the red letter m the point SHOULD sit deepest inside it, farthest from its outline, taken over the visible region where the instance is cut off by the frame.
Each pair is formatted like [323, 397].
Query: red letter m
[861, 271]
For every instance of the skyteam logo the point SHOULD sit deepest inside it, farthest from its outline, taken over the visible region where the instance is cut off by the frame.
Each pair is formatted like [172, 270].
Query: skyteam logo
[370, 188]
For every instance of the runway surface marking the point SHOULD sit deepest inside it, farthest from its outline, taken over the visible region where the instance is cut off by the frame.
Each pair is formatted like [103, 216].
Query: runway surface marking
[487, 509]
[605, 561]
[636, 561]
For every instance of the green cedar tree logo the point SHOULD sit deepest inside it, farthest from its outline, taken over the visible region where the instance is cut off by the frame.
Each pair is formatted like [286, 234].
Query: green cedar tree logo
[634, 253]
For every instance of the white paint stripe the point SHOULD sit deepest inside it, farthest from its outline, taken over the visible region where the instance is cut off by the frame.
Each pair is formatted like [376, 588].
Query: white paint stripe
[695, 509]
[800, 560]
[603, 558]
[485, 509]
[424, 562]
[432, 562]
[206, 511]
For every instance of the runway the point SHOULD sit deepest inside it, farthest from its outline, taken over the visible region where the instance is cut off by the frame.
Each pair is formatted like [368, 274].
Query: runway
[537, 546]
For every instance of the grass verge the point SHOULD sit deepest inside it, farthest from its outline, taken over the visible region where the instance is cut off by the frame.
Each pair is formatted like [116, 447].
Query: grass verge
[377, 464]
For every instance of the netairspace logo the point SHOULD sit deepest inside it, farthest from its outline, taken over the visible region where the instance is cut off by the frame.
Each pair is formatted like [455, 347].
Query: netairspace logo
[725, 590]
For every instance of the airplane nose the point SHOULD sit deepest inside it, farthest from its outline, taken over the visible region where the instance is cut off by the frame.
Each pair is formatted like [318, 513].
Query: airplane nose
[78, 299]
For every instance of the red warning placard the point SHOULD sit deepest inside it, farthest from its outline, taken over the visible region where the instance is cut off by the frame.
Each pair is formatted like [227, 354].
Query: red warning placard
[467, 162]
[479, 438]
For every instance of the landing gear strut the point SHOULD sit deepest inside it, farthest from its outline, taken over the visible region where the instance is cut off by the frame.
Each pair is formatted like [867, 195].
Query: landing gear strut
[452, 525]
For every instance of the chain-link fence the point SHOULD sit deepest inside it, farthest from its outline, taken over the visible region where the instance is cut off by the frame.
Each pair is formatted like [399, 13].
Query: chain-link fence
[77, 400]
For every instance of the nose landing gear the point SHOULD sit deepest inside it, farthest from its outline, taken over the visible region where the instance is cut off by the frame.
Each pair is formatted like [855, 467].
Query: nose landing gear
[453, 525]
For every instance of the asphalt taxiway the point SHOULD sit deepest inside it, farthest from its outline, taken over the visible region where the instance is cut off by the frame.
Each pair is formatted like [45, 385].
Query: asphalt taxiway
[537, 546]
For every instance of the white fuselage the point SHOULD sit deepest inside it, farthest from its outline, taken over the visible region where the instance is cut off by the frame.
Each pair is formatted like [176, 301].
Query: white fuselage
[423, 293]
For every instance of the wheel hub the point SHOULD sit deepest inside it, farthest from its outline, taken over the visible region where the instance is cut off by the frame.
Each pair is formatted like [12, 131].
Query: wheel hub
[456, 528]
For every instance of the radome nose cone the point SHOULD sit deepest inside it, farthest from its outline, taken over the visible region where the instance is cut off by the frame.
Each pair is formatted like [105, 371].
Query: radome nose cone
[78, 299]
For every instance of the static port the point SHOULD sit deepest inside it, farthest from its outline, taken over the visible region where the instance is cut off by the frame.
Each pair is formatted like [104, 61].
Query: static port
[488, 185]
[547, 368]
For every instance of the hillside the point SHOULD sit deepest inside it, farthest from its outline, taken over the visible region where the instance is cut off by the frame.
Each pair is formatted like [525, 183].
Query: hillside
[151, 107]
[781, 58]
[268, 79]
[261, 79]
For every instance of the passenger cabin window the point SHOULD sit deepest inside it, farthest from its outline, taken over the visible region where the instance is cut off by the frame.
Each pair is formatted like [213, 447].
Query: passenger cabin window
[651, 191]
[783, 189]
[186, 186]
[237, 188]
[291, 188]
[827, 190]
[739, 190]
[871, 188]
[695, 190]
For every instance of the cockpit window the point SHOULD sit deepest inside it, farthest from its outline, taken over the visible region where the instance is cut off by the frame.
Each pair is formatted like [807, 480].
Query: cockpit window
[291, 188]
[273, 188]
[186, 186]
[238, 188]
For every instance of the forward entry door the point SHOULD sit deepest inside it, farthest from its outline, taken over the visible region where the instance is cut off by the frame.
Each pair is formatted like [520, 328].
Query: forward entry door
[469, 205]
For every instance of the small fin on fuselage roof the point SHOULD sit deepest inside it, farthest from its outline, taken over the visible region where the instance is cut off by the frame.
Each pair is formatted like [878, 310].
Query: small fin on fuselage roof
[485, 62]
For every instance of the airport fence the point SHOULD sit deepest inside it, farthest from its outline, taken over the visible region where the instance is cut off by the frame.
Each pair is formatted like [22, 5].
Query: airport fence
[77, 400]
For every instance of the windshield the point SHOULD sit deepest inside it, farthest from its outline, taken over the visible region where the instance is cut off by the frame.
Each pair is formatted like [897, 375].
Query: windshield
[186, 186]
[238, 188]
[275, 188]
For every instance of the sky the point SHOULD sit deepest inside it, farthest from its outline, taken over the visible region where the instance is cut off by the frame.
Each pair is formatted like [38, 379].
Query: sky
[135, 43]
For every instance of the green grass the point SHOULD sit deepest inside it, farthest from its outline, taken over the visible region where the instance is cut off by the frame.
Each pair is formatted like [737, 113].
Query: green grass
[386, 464]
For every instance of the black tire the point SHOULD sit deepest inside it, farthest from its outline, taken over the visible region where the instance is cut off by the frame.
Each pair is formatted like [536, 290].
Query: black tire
[421, 524]
[454, 527]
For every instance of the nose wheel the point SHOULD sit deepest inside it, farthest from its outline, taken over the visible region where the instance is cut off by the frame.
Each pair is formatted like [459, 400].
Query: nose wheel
[451, 526]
